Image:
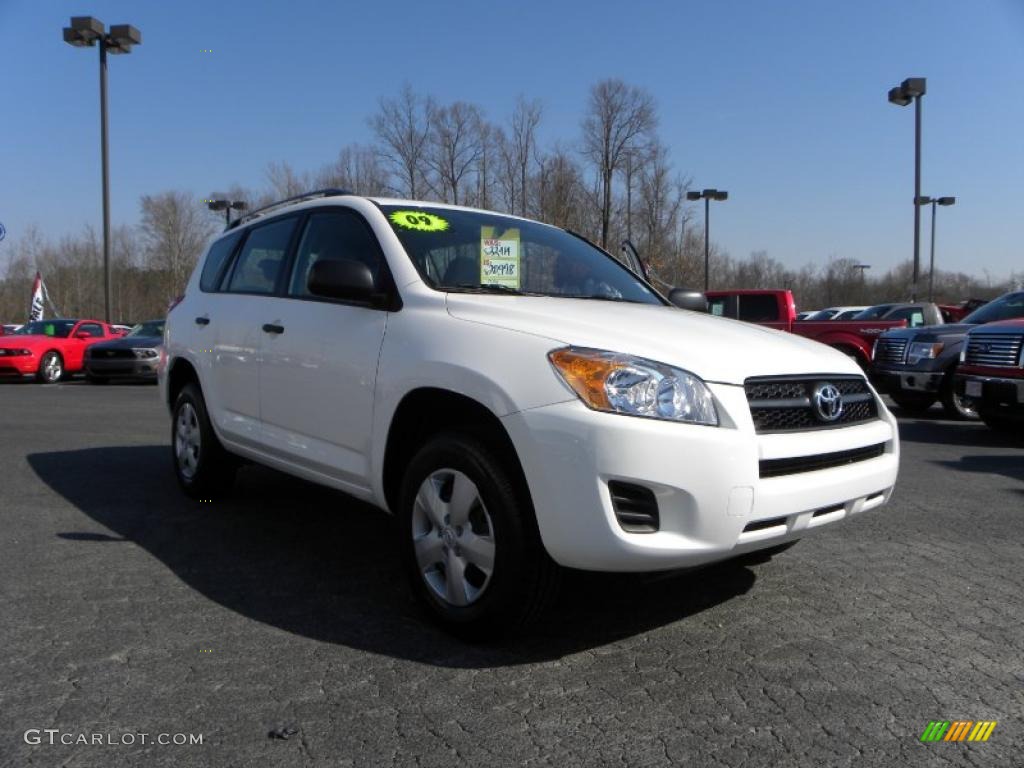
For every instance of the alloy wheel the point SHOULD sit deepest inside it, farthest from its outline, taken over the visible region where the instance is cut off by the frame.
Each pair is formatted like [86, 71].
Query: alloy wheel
[187, 441]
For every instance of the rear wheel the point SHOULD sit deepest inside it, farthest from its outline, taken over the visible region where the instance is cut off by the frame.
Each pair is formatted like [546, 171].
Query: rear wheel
[51, 368]
[201, 464]
[469, 539]
[913, 403]
[955, 406]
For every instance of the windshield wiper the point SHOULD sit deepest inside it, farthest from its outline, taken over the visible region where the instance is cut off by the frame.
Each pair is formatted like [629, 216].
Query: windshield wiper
[489, 288]
[606, 298]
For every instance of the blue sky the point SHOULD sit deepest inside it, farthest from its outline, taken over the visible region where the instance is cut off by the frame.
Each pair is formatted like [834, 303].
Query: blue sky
[781, 103]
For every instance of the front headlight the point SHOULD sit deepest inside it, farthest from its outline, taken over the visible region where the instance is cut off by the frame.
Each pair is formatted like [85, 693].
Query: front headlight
[608, 381]
[145, 353]
[923, 350]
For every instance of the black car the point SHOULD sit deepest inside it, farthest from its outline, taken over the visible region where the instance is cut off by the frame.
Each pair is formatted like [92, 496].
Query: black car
[916, 366]
[131, 357]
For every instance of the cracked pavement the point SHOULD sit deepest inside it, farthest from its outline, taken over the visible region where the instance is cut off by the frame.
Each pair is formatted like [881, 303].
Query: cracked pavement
[128, 608]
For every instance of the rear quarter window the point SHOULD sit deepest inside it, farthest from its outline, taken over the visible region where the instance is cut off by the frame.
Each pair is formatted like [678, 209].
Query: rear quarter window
[216, 258]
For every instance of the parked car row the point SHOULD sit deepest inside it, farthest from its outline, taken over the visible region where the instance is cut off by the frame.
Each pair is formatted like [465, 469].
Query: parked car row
[56, 349]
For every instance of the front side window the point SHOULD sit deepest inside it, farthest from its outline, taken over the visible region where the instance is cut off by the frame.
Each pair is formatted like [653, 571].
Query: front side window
[333, 235]
[477, 252]
[59, 329]
[93, 329]
[259, 264]
[1006, 307]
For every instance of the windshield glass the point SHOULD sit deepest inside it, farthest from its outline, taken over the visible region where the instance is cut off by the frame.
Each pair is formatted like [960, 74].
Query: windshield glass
[475, 252]
[57, 328]
[873, 313]
[152, 328]
[1004, 308]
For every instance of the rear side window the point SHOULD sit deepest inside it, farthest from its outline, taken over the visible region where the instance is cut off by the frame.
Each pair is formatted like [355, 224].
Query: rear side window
[219, 253]
[334, 235]
[758, 308]
[259, 263]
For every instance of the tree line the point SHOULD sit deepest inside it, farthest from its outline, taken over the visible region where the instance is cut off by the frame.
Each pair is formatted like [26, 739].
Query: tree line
[614, 181]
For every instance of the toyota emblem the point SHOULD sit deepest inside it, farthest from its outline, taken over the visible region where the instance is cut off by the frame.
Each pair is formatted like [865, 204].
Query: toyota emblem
[828, 402]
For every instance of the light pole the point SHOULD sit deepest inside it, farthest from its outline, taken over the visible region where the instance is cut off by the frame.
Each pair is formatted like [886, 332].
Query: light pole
[863, 282]
[85, 32]
[912, 90]
[933, 201]
[221, 204]
[707, 195]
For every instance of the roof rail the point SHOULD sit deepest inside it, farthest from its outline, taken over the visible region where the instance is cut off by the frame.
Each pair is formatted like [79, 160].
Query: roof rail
[257, 212]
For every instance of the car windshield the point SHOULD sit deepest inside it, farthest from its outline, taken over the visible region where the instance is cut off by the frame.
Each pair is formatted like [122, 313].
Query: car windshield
[60, 329]
[152, 328]
[1005, 307]
[875, 312]
[477, 252]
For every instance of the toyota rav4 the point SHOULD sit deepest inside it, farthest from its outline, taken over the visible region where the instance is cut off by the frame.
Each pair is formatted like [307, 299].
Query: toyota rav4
[513, 395]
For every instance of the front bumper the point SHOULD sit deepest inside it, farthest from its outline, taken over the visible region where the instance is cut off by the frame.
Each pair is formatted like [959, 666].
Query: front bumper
[22, 365]
[706, 480]
[992, 392]
[134, 368]
[894, 381]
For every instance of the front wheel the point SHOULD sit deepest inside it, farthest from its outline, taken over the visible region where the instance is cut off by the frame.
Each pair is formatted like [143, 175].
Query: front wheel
[201, 464]
[469, 539]
[96, 379]
[955, 406]
[51, 368]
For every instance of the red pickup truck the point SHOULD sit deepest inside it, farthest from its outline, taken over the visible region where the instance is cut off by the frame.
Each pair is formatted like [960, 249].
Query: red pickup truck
[777, 309]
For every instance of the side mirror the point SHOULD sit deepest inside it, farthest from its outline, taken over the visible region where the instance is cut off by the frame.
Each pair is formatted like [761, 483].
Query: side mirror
[83, 335]
[695, 301]
[342, 279]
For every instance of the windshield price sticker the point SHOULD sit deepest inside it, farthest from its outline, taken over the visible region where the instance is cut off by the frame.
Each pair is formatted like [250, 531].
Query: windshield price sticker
[499, 260]
[418, 220]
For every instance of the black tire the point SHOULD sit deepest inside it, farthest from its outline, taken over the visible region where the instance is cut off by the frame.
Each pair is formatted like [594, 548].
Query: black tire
[956, 407]
[523, 578]
[51, 368]
[913, 403]
[764, 555]
[209, 470]
[96, 379]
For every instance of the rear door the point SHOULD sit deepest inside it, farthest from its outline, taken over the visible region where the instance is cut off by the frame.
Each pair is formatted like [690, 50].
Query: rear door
[233, 319]
[319, 361]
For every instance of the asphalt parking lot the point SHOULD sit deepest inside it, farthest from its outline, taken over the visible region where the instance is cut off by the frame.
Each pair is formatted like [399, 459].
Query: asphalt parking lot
[129, 609]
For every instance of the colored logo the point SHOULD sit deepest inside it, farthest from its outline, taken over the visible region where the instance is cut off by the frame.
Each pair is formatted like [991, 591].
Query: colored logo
[958, 730]
[828, 402]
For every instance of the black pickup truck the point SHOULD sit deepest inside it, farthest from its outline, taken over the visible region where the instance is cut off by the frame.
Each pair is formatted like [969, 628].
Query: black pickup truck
[916, 366]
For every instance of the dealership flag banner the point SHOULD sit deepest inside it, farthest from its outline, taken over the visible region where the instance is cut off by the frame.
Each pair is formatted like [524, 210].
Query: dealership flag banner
[38, 292]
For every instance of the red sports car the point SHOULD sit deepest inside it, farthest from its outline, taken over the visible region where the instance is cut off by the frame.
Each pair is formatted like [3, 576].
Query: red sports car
[50, 350]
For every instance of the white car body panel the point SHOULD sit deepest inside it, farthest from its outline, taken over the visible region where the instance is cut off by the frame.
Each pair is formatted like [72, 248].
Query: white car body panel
[318, 401]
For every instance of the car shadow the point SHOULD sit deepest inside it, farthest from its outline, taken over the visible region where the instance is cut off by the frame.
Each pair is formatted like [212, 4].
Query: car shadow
[315, 562]
[1008, 466]
[969, 433]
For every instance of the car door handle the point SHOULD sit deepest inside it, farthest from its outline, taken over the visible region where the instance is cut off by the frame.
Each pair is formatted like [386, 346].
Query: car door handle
[271, 328]
[202, 321]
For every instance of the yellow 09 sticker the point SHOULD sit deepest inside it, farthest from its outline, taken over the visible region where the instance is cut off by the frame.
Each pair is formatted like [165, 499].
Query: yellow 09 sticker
[418, 220]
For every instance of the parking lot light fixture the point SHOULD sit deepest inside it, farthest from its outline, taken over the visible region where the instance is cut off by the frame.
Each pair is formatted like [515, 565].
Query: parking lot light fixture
[85, 32]
[910, 91]
[707, 195]
[220, 203]
[934, 201]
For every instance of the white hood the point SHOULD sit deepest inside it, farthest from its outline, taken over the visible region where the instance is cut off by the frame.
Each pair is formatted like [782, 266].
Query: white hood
[714, 348]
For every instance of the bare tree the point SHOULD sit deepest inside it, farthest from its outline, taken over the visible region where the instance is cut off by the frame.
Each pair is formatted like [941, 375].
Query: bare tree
[454, 147]
[620, 118]
[523, 139]
[357, 169]
[174, 229]
[402, 132]
[285, 182]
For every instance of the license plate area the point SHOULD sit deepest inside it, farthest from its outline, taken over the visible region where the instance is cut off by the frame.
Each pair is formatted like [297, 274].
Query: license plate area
[972, 388]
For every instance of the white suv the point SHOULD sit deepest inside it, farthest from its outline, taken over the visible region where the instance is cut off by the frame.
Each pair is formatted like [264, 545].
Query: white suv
[516, 397]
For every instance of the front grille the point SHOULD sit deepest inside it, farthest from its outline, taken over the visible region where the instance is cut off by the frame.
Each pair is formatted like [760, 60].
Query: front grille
[635, 507]
[798, 464]
[785, 404]
[890, 350]
[997, 350]
[111, 354]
